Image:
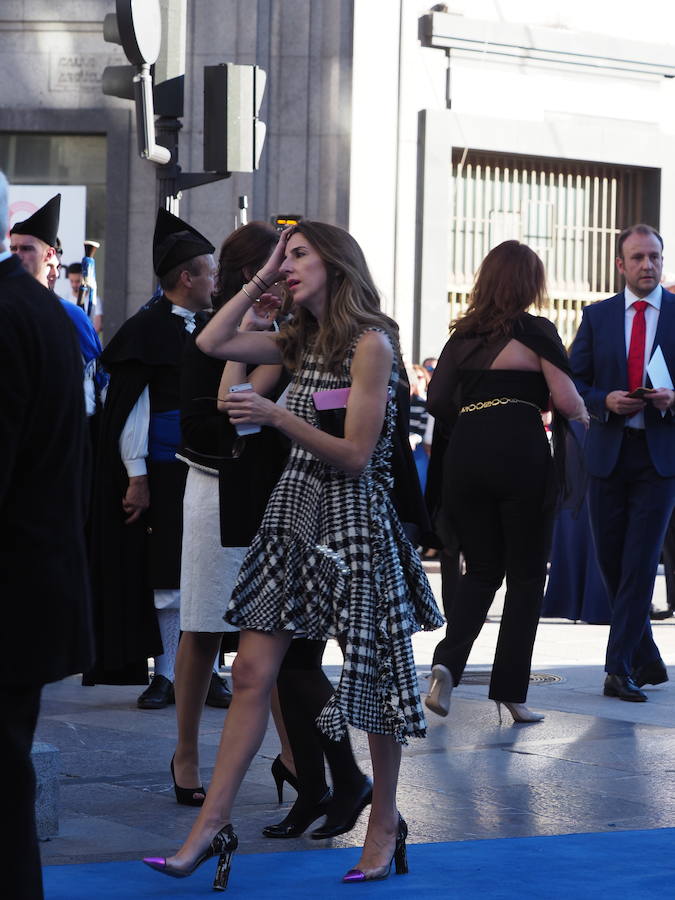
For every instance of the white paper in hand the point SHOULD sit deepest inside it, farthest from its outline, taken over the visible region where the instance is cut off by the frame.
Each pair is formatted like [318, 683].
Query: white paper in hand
[658, 372]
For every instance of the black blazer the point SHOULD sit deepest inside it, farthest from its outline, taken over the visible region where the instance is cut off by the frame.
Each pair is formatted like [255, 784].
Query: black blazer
[46, 616]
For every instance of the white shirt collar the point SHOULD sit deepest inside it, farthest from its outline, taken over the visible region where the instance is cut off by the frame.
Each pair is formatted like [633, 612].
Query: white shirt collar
[187, 314]
[654, 298]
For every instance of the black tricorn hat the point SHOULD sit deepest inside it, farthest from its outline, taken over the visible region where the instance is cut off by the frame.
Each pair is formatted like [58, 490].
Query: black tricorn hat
[176, 242]
[43, 224]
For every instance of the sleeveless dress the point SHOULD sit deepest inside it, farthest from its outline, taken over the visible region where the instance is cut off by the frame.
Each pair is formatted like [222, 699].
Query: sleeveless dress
[331, 559]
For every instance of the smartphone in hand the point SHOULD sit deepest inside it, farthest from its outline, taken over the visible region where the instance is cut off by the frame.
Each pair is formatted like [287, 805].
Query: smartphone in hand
[244, 429]
[641, 393]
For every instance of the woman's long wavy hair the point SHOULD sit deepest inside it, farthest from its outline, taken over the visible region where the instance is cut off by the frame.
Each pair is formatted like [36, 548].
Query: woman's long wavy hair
[246, 248]
[510, 279]
[353, 302]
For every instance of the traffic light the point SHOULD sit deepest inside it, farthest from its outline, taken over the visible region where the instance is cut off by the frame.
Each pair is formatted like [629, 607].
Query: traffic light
[233, 132]
[137, 26]
[281, 222]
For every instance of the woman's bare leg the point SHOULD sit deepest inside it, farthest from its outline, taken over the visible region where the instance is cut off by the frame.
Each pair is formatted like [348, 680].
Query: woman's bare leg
[378, 849]
[286, 753]
[254, 674]
[194, 663]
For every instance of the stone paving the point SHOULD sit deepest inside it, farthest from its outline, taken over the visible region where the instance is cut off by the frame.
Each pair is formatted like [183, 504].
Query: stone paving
[594, 764]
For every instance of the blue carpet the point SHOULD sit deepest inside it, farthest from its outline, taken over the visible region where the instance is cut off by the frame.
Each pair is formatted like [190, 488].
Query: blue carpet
[578, 866]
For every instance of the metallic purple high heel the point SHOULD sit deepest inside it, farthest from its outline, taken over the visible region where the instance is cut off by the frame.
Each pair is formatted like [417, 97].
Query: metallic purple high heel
[223, 846]
[399, 858]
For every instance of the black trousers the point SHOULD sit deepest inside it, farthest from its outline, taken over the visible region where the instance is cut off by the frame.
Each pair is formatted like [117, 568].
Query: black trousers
[669, 563]
[497, 493]
[21, 875]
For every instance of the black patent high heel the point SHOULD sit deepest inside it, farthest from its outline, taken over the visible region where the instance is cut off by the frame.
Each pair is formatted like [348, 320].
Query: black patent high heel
[186, 796]
[223, 846]
[280, 774]
[399, 858]
[299, 818]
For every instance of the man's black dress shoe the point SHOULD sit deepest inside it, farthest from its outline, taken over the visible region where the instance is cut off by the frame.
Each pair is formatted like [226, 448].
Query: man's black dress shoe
[659, 614]
[652, 673]
[623, 687]
[157, 695]
[219, 693]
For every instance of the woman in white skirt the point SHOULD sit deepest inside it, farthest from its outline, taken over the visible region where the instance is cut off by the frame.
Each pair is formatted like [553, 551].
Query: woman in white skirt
[218, 464]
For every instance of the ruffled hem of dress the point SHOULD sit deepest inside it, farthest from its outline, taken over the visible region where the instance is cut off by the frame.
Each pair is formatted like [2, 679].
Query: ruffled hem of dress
[392, 693]
[317, 569]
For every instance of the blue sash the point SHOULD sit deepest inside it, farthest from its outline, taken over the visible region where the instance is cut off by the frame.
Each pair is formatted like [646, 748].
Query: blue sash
[164, 436]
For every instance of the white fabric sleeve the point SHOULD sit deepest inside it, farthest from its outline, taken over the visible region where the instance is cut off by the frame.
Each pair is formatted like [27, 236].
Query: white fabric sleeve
[134, 437]
[429, 429]
[90, 386]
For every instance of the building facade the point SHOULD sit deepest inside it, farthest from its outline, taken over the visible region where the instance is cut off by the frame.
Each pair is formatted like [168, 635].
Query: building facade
[432, 134]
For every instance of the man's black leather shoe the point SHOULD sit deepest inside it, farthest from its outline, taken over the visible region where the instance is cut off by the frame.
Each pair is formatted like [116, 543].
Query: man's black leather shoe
[659, 614]
[652, 673]
[157, 695]
[623, 687]
[219, 693]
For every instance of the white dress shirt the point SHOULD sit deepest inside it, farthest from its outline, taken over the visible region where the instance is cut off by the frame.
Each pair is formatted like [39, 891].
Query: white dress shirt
[651, 321]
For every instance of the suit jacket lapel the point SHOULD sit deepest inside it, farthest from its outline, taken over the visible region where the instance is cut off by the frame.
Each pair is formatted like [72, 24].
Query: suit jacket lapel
[617, 336]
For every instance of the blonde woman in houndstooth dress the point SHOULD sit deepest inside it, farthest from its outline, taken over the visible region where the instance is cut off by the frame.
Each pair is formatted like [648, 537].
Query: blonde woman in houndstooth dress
[331, 558]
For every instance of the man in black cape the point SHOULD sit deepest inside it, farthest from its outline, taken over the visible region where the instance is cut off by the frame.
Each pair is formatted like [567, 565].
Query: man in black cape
[44, 469]
[137, 514]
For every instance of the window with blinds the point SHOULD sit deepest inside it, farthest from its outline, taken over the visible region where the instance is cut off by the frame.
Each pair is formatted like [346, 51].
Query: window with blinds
[570, 212]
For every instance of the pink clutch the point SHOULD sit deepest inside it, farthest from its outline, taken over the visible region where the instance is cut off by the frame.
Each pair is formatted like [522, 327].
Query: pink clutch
[335, 399]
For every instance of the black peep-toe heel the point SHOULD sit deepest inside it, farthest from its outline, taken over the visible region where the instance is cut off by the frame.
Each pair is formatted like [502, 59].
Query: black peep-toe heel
[186, 796]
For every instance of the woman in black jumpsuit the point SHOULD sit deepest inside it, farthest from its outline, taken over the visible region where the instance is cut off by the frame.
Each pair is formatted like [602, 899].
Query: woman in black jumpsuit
[493, 381]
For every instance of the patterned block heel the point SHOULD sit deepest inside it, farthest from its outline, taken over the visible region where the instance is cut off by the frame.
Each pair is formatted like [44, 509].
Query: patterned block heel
[223, 870]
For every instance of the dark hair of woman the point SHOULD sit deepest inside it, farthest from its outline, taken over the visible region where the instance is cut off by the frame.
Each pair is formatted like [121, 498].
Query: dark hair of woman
[246, 248]
[353, 302]
[510, 279]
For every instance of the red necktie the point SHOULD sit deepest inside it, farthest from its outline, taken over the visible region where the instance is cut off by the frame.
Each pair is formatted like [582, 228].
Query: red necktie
[636, 349]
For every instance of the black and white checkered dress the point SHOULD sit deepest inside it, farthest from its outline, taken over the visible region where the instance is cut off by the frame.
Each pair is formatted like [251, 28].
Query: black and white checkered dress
[331, 560]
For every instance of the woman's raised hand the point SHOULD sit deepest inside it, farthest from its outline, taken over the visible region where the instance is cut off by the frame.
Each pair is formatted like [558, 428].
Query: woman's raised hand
[269, 272]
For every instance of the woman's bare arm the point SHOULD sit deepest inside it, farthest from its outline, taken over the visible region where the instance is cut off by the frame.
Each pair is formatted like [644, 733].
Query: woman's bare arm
[564, 395]
[263, 378]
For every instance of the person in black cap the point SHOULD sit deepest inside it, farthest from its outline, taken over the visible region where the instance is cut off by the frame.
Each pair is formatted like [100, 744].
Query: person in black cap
[34, 239]
[36, 243]
[137, 522]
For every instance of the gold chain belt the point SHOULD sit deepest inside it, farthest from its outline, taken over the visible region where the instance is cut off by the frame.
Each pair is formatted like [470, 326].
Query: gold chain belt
[499, 401]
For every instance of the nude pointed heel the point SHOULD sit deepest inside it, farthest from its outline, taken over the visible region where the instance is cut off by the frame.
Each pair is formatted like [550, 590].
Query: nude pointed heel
[399, 858]
[440, 690]
[519, 711]
[223, 846]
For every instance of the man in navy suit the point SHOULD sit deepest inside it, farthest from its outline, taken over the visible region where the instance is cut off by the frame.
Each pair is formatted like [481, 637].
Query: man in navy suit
[630, 452]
